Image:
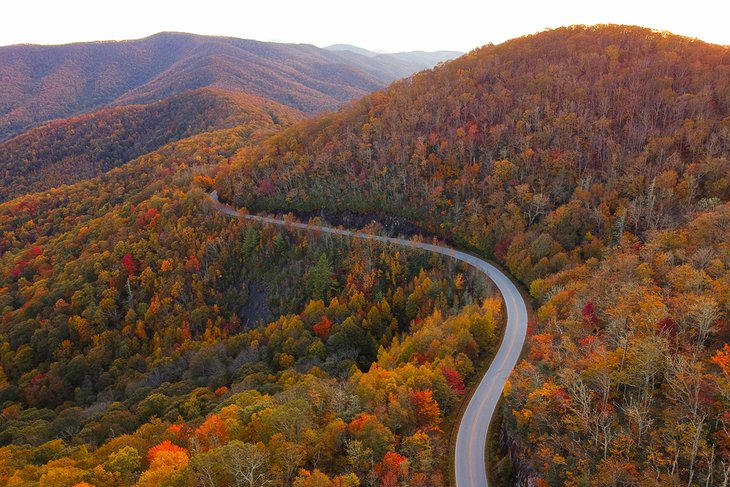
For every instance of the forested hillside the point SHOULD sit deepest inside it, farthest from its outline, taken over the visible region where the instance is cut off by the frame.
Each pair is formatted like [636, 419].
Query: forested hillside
[41, 83]
[71, 150]
[594, 163]
[627, 377]
[146, 339]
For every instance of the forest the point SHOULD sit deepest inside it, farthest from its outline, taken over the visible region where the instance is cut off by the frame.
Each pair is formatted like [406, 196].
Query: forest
[146, 339]
[44, 83]
[140, 345]
[593, 162]
[71, 150]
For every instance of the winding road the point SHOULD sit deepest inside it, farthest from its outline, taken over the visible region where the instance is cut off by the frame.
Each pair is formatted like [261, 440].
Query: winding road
[472, 435]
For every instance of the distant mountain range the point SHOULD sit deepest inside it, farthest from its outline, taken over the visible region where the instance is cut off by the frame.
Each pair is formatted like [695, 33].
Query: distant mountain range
[419, 60]
[42, 83]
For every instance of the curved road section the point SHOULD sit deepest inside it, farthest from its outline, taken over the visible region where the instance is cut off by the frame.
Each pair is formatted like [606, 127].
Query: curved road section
[472, 436]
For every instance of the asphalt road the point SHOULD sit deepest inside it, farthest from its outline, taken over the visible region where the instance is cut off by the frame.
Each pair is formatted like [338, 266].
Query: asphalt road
[472, 435]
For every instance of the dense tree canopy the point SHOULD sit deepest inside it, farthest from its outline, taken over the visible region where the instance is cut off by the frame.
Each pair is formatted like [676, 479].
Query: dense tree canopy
[43, 83]
[562, 155]
[145, 339]
[71, 150]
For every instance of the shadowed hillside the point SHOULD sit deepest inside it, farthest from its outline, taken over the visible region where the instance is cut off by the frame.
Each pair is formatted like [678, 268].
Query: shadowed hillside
[70, 150]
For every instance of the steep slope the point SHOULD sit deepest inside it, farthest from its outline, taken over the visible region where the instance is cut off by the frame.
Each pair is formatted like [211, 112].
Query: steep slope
[70, 150]
[627, 379]
[528, 122]
[551, 153]
[40, 83]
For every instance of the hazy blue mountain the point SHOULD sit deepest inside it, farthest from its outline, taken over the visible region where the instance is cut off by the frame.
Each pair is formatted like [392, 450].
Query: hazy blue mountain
[427, 59]
[415, 60]
[351, 48]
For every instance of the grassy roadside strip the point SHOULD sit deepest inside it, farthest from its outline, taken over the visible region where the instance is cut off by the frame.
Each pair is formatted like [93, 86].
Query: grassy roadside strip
[494, 455]
[495, 426]
[454, 422]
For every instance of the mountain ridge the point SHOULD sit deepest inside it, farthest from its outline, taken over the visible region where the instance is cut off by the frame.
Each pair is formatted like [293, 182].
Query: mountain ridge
[594, 163]
[419, 59]
[41, 83]
[65, 151]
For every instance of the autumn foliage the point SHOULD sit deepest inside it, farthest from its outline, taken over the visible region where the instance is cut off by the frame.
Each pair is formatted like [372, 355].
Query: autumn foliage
[165, 446]
[145, 339]
[301, 383]
[593, 163]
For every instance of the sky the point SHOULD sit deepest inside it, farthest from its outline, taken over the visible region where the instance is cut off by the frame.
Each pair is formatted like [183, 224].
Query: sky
[388, 25]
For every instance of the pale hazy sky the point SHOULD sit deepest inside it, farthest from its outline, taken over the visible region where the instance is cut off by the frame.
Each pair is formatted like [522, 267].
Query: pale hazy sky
[392, 25]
